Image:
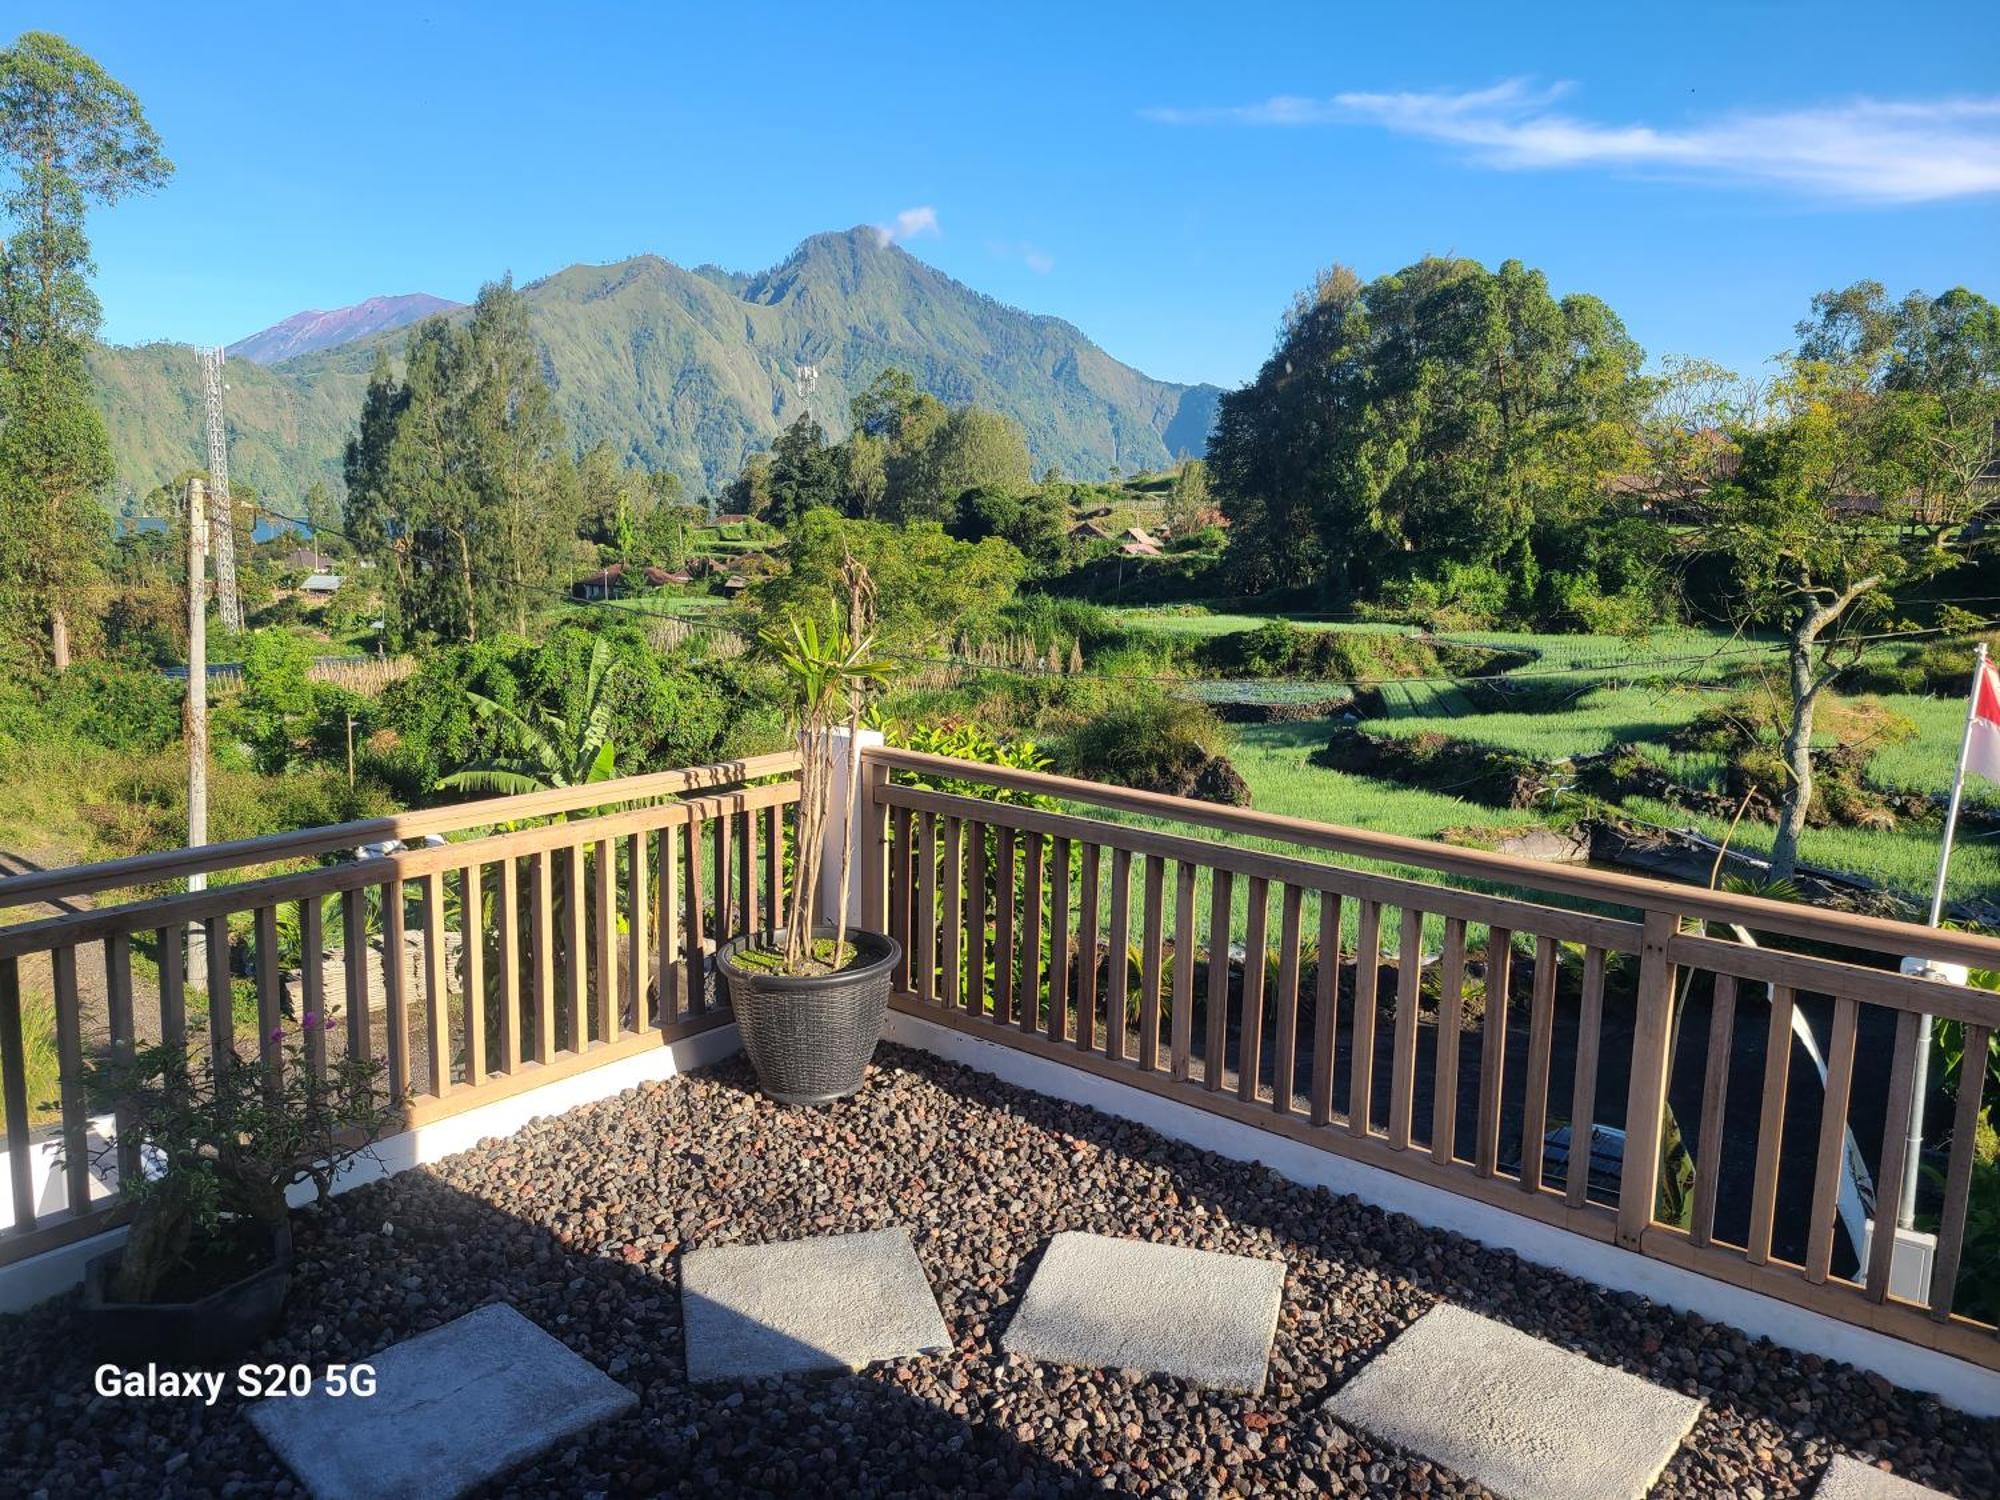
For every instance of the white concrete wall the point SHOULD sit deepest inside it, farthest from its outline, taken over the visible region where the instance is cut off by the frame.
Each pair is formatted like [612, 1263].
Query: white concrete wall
[1966, 1386]
[53, 1272]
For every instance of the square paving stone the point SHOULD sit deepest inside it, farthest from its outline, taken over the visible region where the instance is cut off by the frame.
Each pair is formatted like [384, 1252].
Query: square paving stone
[1524, 1418]
[1850, 1479]
[452, 1408]
[1126, 1304]
[837, 1302]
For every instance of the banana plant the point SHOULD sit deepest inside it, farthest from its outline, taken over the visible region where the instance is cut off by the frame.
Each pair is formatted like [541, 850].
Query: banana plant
[547, 749]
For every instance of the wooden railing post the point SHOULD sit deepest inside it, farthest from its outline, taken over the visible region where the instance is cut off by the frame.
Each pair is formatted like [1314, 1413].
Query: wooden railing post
[1646, 1101]
[845, 837]
[871, 846]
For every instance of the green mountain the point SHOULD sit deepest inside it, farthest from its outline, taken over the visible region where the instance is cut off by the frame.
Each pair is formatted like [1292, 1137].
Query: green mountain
[692, 370]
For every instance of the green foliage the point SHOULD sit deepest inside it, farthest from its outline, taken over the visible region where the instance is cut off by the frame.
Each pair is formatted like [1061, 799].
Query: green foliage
[967, 741]
[225, 1139]
[1155, 743]
[277, 694]
[1443, 414]
[1035, 524]
[41, 1065]
[804, 473]
[117, 707]
[928, 585]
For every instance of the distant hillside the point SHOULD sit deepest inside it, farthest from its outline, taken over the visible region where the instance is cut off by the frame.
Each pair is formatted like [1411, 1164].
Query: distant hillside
[693, 369]
[309, 332]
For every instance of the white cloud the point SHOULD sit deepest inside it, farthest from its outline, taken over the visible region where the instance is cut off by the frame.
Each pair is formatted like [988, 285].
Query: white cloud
[910, 224]
[1034, 258]
[1864, 150]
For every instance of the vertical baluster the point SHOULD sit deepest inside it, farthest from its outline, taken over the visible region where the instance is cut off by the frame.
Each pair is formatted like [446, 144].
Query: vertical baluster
[1895, 1156]
[954, 913]
[695, 964]
[1250, 1037]
[1583, 1095]
[1832, 1140]
[774, 868]
[395, 995]
[173, 983]
[746, 873]
[437, 999]
[1771, 1124]
[1089, 891]
[1493, 1048]
[1030, 996]
[1541, 1039]
[1003, 930]
[576, 948]
[14, 1096]
[1451, 1017]
[1326, 1008]
[975, 919]
[507, 917]
[1403, 1044]
[1216, 1042]
[270, 1009]
[1118, 981]
[354, 954]
[1958, 1176]
[1184, 955]
[121, 1021]
[605, 873]
[221, 991]
[1284, 1059]
[1714, 1109]
[1361, 1049]
[667, 891]
[899, 900]
[69, 1065]
[312, 982]
[541, 895]
[1150, 939]
[1059, 941]
[927, 914]
[725, 865]
[639, 934]
[472, 967]
[1646, 1089]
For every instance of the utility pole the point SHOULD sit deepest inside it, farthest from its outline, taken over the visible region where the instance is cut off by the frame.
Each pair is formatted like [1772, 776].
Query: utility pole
[222, 519]
[194, 716]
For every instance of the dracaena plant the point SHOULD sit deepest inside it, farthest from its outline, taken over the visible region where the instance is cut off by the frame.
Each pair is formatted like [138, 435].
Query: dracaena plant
[832, 671]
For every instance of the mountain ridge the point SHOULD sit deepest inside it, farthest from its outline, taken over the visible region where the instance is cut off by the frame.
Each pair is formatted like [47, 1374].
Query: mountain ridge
[692, 369]
[322, 328]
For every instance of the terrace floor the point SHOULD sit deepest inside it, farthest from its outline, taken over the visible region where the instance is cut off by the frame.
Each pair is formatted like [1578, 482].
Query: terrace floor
[578, 1222]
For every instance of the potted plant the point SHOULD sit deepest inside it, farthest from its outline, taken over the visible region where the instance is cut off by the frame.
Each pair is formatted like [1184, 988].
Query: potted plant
[210, 1148]
[809, 1000]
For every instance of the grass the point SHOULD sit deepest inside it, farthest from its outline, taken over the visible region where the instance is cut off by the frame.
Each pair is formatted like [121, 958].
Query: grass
[1195, 622]
[39, 1057]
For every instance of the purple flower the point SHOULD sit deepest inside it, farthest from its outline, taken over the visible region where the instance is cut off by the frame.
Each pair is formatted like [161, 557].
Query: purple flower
[278, 1034]
[310, 1019]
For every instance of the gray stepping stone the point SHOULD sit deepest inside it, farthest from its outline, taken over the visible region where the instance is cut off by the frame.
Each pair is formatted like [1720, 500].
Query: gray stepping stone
[1524, 1418]
[837, 1302]
[452, 1408]
[1850, 1479]
[1126, 1304]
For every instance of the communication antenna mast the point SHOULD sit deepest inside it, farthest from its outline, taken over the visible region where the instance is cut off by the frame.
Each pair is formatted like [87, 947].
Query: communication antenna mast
[805, 378]
[222, 531]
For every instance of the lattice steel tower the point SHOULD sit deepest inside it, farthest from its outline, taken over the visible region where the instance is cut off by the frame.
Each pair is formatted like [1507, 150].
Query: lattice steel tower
[221, 525]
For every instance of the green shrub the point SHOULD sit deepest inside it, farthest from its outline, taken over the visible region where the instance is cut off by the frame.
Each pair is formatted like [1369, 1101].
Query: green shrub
[1155, 743]
[102, 702]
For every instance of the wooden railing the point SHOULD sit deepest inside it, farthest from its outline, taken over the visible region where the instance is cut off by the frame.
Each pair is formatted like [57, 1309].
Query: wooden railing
[1450, 1033]
[472, 969]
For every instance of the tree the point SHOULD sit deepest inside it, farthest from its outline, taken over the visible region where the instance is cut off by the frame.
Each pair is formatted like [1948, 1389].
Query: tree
[1188, 508]
[459, 481]
[71, 137]
[926, 583]
[970, 449]
[1862, 482]
[607, 495]
[805, 473]
[322, 515]
[1446, 415]
[547, 749]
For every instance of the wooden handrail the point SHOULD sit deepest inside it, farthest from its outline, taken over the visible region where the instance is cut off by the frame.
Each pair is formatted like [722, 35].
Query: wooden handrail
[1849, 929]
[410, 864]
[173, 864]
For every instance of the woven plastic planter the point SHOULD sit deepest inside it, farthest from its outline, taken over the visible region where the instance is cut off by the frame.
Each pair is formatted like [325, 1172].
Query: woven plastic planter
[810, 1036]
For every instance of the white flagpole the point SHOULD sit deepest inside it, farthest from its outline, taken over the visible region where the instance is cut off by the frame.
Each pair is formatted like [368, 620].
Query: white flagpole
[1906, 1213]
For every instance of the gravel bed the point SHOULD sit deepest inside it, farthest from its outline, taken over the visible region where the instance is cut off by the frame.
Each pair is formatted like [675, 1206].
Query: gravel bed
[579, 1219]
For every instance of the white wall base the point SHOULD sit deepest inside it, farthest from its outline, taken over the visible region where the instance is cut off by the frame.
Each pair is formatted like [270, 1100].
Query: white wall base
[1965, 1386]
[54, 1272]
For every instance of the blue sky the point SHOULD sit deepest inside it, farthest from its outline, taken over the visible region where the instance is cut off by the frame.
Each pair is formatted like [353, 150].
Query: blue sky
[1164, 176]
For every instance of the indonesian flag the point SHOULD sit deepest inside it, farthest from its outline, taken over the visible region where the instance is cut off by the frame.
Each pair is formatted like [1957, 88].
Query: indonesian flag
[1982, 735]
